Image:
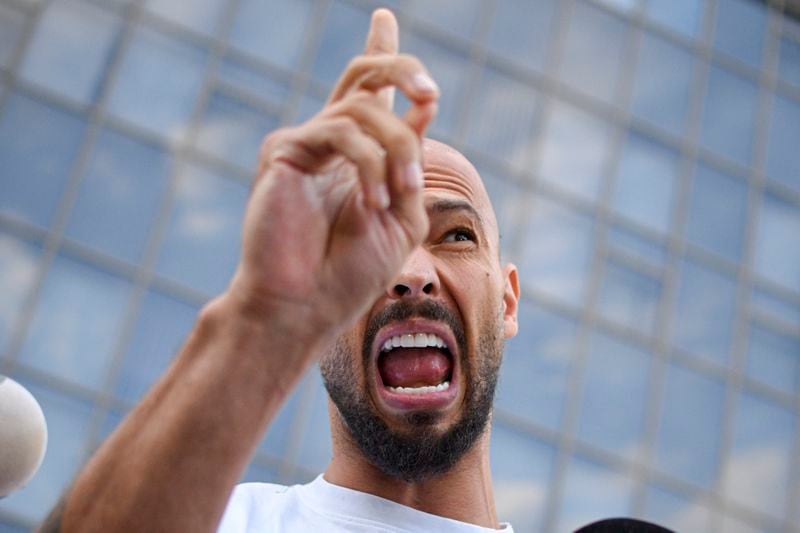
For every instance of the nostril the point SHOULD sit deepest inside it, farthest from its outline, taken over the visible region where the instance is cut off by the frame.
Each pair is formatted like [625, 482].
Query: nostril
[401, 290]
[427, 288]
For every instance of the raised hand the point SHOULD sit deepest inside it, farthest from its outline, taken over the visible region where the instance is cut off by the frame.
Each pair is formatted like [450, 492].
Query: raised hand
[337, 204]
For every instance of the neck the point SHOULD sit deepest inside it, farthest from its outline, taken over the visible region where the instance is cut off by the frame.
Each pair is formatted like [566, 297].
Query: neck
[463, 493]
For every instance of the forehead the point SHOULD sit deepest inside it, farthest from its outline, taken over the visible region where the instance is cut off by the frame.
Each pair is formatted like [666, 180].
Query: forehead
[449, 173]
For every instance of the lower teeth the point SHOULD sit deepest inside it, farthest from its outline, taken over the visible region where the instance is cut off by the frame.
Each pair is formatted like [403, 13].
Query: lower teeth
[422, 390]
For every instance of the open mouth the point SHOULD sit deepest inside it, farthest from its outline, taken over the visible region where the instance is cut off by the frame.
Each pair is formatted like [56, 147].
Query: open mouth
[416, 366]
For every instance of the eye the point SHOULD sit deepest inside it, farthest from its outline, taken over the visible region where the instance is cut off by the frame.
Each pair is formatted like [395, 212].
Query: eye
[459, 235]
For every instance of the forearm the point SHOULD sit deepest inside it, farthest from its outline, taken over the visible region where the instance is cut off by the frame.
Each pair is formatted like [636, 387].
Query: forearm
[173, 462]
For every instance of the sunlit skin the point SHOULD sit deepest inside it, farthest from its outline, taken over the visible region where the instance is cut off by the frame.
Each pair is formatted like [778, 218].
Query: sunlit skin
[459, 264]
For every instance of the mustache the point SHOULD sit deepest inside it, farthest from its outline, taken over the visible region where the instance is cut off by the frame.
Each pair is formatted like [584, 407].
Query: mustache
[404, 310]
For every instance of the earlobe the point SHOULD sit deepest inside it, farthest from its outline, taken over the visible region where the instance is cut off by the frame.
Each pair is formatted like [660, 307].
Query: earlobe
[510, 300]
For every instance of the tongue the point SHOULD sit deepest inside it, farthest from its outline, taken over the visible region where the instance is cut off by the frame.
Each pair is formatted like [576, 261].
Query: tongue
[414, 367]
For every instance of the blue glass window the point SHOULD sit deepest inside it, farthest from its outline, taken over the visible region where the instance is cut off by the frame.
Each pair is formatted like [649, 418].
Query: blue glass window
[161, 329]
[77, 322]
[315, 452]
[589, 68]
[203, 16]
[717, 212]
[521, 475]
[757, 471]
[68, 423]
[201, 248]
[12, 27]
[629, 297]
[533, 378]
[776, 308]
[739, 29]
[557, 251]
[614, 396]
[682, 16]
[255, 83]
[789, 65]
[461, 22]
[675, 512]
[122, 188]
[777, 256]
[501, 124]
[339, 42]
[278, 39]
[646, 182]
[691, 418]
[783, 164]
[726, 133]
[583, 503]
[507, 198]
[145, 97]
[70, 49]
[529, 47]
[279, 433]
[774, 358]
[18, 269]
[662, 84]
[233, 130]
[575, 149]
[258, 473]
[38, 146]
[703, 319]
[628, 243]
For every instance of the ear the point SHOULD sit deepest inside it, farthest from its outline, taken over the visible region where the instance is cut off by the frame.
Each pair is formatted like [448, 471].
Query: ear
[510, 300]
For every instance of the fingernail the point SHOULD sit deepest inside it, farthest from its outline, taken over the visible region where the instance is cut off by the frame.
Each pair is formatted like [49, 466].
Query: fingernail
[425, 83]
[413, 176]
[381, 195]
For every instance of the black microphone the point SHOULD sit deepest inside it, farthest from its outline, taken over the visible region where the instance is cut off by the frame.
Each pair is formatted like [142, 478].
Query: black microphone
[623, 525]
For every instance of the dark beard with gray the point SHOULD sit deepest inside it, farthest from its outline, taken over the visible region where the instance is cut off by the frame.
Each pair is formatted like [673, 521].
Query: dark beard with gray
[421, 454]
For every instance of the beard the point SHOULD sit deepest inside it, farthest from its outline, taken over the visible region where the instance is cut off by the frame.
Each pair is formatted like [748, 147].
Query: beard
[422, 452]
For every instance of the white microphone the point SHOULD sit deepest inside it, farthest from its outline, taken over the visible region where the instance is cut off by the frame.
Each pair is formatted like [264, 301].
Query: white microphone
[23, 436]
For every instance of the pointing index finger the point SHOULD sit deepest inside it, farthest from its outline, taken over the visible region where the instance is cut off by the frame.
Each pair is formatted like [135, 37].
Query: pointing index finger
[383, 38]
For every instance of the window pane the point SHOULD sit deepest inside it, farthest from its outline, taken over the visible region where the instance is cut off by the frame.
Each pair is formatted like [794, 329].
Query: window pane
[776, 308]
[315, 448]
[12, 27]
[557, 251]
[789, 65]
[339, 43]
[461, 22]
[278, 434]
[67, 427]
[717, 212]
[122, 188]
[739, 29]
[583, 503]
[533, 378]
[146, 97]
[201, 248]
[507, 199]
[233, 130]
[70, 49]
[521, 473]
[501, 125]
[203, 16]
[255, 83]
[625, 242]
[527, 47]
[629, 297]
[777, 255]
[662, 83]
[703, 318]
[18, 266]
[783, 164]
[774, 359]
[590, 68]
[723, 132]
[76, 323]
[758, 467]
[279, 40]
[691, 418]
[38, 146]
[645, 182]
[614, 396]
[682, 16]
[675, 512]
[160, 331]
[575, 149]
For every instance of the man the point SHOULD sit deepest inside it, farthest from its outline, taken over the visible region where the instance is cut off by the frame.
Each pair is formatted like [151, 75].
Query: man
[390, 279]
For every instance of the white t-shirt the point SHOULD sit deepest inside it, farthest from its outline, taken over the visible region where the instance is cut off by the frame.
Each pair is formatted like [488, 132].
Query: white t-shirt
[321, 506]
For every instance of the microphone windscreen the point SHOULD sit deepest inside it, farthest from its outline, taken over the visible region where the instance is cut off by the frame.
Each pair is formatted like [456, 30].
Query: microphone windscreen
[23, 436]
[623, 525]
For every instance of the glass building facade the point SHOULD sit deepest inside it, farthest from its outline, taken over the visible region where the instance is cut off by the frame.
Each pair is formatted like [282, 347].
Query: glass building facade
[644, 161]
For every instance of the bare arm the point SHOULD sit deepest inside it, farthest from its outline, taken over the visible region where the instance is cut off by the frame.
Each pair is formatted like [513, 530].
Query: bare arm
[335, 210]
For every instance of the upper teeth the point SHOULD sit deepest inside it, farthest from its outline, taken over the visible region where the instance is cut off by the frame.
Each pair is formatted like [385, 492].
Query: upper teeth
[413, 340]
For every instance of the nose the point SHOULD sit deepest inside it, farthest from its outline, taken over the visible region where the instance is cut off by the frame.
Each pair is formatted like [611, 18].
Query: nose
[417, 277]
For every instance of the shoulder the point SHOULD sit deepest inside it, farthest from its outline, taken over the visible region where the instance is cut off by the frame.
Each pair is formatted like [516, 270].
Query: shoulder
[251, 501]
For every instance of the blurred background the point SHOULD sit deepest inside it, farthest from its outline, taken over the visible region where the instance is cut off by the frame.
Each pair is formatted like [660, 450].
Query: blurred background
[642, 157]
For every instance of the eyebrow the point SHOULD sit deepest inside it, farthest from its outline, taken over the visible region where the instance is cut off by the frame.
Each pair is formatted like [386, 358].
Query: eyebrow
[445, 206]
